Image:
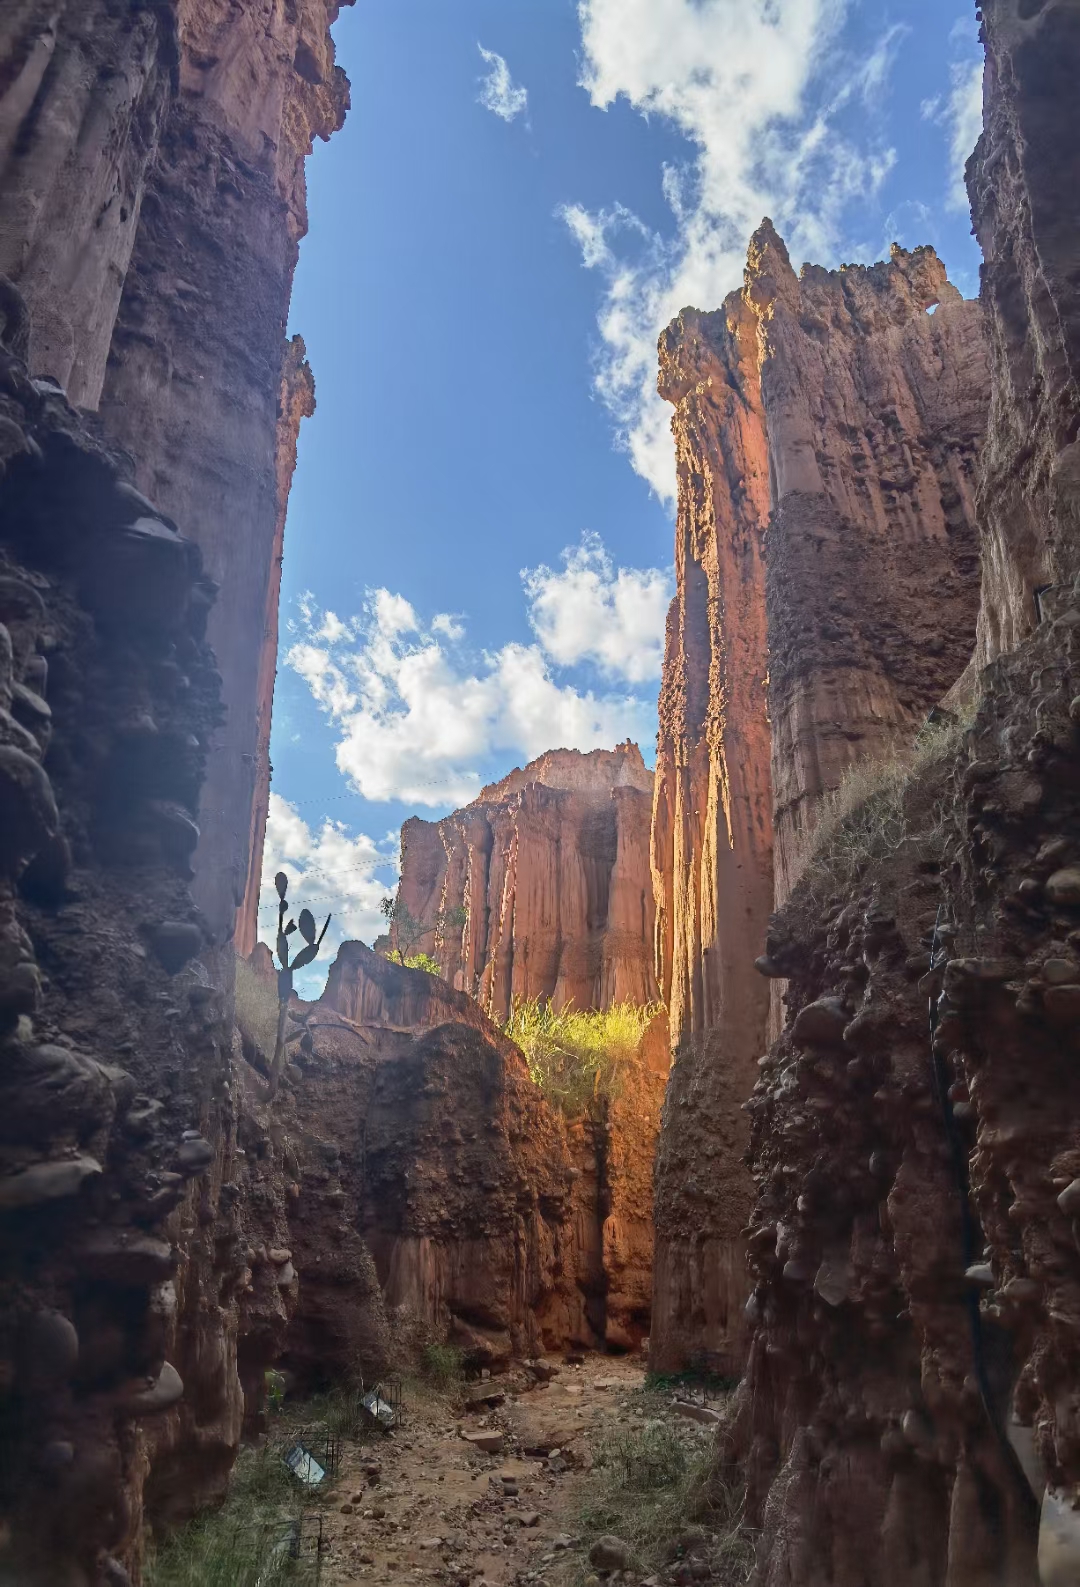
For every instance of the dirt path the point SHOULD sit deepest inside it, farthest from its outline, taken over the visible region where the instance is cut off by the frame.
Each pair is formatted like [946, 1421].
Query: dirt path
[427, 1505]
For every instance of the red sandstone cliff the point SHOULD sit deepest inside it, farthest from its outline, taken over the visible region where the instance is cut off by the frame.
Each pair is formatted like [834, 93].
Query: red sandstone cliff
[151, 206]
[486, 1216]
[548, 874]
[1022, 182]
[151, 203]
[203, 414]
[909, 1409]
[826, 431]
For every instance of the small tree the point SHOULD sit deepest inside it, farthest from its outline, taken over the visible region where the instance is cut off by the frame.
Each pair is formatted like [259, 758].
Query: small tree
[406, 930]
[306, 926]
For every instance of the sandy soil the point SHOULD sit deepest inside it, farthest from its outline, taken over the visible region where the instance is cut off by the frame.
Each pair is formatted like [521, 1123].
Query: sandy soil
[425, 1505]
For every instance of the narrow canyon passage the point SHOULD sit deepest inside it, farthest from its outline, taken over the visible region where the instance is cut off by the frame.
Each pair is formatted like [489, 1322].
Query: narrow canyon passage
[461, 1045]
[442, 1511]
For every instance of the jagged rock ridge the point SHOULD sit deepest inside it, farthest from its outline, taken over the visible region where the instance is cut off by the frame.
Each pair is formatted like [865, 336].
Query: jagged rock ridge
[827, 428]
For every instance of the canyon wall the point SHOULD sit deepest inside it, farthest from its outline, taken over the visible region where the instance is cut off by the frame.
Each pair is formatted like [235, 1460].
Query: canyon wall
[827, 428]
[198, 384]
[540, 887]
[151, 204]
[123, 1203]
[442, 1196]
[151, 207]
[1022, 183]
[909, 1411]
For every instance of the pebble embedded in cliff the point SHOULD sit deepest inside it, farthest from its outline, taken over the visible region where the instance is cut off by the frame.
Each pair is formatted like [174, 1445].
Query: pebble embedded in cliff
[48, 1346]
[194, 1156]
[127, 1258]
[821, 1024]
[1064, 887]
[175, 942]
[151, 1398]
[28, 813]
[46, 1182]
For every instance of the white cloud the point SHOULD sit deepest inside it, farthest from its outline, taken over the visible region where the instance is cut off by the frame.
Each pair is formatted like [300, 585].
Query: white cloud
[443, 623]
[592, 611]
[420, 721]
[962, 115]
[331, 873]
[498, 91]
[757, 87]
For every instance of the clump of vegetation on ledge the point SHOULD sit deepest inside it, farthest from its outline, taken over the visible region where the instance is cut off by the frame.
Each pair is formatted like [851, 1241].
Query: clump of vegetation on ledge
[422, 961]
[872, 812]
[575, 1055]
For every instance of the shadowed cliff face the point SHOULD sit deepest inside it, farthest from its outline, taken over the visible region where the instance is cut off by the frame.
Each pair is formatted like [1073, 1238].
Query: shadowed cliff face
[120, 1313]
[542, 883]
[486, 1217]
[151, 202]
[199, 364]
[909, 1412]
[826, 430]
[1022, 181]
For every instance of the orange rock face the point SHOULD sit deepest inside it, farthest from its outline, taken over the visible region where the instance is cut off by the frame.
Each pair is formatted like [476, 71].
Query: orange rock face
[827, 429]
[151, 204]
[218, 240]
[542, 884]
[493, 1221]
[712, 830]
[876, 412]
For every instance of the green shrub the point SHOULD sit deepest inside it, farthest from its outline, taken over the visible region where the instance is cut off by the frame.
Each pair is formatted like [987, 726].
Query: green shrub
[423, 961]
[575, 1055]
[441, 1365]
[256, 1008]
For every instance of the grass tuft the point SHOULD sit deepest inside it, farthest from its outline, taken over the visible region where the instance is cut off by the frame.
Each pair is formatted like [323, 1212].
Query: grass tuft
[655, 1485]
[256, 1009]
[575, 1055]
[442, 1366]
[244, 1543]
[865, 820]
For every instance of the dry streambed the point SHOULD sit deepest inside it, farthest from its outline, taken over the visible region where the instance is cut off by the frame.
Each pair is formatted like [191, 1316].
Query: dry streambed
[516, 1488]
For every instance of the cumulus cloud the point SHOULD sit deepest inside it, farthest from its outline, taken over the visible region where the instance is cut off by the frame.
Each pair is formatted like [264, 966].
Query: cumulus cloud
[330, 871]
[593, 611]
[498, 91]
[420, 720]
[758, 88]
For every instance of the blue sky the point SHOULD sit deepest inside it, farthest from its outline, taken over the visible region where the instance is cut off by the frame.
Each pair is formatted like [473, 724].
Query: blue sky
[478, 549]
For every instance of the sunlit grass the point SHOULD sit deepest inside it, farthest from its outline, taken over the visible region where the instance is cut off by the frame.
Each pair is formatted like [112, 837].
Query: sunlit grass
[575, 1055]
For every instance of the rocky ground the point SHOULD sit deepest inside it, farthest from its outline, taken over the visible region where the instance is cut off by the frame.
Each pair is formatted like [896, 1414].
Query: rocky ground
[493, 1494]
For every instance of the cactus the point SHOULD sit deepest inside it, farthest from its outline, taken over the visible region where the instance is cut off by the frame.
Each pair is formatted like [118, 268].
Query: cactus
[308, 953]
